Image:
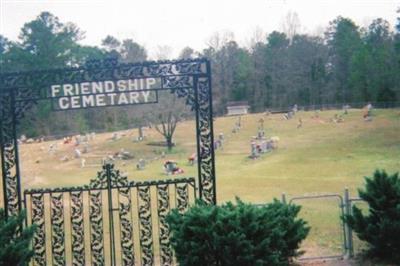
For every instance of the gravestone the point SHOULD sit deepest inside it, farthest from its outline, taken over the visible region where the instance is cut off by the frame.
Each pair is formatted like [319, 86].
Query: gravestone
[295, 108]
[52, 148]
[288, 115]
[254, 150]
[85, 148]
[78, 140]
[115, 136]
[171, 167]
[264, 147]
[217, 144]
[23, 138]
[77, 153]
[141, 164]
[124, 155]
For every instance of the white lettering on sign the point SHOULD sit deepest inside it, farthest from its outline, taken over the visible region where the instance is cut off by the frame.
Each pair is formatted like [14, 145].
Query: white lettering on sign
[146, 95]
[109, 86]
[75, 102]
[104, 93]
[63, 103]
[55, 89]
[97, 87]
[100, 100]
[121, 85]
[150, 83]
[85, 88]
[87, 101]
[68, 90]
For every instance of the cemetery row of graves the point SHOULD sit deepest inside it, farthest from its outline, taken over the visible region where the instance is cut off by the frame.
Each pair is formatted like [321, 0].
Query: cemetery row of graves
[259, 157]
[83, 149]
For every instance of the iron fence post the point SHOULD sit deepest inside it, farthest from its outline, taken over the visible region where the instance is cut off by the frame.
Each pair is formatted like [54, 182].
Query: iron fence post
[3, 165]
[16, 152]
[198, 140]
[211, 125]
[110, 212]
[348, 231]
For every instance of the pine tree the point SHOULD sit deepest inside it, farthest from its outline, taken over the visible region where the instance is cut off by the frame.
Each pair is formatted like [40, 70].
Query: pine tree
[381, 226]
[14, 246]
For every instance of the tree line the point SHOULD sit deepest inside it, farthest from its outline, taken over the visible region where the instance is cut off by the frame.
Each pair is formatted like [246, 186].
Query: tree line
[346, 64]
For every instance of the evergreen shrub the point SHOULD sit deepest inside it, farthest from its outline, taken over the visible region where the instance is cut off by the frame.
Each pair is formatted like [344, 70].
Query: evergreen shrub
[14, 243]
[380, 227]
[237, 234]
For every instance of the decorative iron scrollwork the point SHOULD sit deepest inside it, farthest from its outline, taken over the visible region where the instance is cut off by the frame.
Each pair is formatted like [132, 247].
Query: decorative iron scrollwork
[20, 91]
[117, 180]
[9, 151]
[79, 199]
[146, 232]
[101, 70]
[127, 247]
[206, 139]
[39, 239]
[172, 82]
[163, 207]
[57, 222]
[96, 224]
[189, 79]
[182, 197]
[77, 228]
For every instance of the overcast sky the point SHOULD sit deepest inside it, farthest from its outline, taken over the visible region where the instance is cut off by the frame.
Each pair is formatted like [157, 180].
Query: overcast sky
[180, 23]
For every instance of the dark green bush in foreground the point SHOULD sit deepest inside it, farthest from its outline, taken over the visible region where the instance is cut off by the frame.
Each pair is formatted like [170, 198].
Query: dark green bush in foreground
[381, 226]
[14, 247]
[240, 234]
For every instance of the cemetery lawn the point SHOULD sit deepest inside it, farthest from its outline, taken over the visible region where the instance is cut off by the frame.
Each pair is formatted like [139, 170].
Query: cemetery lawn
[320, 157]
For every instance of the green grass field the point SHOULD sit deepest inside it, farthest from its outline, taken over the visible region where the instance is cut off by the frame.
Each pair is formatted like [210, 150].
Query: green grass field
[321, 157]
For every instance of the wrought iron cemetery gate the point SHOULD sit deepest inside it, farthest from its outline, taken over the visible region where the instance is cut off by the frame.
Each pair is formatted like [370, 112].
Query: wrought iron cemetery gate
[189, 79]
[111, 221]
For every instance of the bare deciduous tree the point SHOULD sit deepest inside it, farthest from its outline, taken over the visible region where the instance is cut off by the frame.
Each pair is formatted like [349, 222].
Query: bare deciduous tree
[166, 115]
[291, 25]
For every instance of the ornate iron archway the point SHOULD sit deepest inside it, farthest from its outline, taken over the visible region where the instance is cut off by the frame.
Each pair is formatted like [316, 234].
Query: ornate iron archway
[190, 79]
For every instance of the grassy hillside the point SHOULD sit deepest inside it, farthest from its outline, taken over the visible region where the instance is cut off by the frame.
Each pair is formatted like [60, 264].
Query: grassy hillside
[319, 157]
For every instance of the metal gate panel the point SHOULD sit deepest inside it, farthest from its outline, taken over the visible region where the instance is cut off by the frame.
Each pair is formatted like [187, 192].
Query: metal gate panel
[336, 202]
[111, 221]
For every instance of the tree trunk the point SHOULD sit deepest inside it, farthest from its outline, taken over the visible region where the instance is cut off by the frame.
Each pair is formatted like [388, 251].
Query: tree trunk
[169, 143]
[140, 131]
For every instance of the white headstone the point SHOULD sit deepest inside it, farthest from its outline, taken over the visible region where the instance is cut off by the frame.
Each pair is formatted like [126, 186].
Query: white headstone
[77, 153]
